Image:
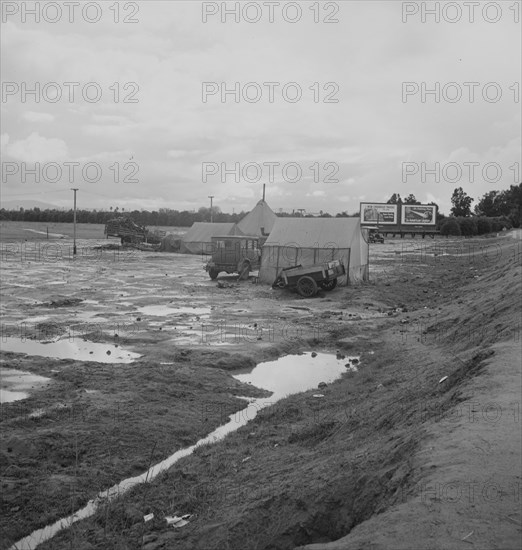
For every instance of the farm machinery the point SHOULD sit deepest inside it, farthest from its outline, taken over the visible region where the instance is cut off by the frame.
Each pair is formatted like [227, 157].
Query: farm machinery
[133, 234]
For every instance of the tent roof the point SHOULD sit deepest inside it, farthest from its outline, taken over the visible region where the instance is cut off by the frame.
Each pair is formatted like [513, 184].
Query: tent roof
[314, 232]
[261, 216]
[203, 231]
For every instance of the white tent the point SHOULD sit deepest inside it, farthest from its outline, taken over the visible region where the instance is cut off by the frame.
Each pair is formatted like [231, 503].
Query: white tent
[308, 241]
[258, 221]
[198, 239]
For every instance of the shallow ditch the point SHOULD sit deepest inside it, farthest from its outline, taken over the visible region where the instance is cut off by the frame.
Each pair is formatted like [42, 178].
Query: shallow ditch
[283, 377]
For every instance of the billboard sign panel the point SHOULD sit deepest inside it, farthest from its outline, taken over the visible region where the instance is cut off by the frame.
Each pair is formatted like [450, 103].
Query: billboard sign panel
[419, 214]
[378, 213]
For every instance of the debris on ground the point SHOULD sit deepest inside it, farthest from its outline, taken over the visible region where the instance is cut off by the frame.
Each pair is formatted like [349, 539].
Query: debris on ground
[64, 302]
[178, 521]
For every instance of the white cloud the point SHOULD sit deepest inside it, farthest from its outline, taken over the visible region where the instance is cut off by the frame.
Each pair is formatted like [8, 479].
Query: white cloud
[33, 116]
[36, 148]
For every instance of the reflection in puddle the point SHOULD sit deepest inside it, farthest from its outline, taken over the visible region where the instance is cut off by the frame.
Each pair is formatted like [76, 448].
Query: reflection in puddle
[285, 376]
[65, 349]
[294, 373]
[15, 383]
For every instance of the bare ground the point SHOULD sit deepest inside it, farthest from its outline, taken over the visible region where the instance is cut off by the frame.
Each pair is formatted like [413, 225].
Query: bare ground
[390, 458]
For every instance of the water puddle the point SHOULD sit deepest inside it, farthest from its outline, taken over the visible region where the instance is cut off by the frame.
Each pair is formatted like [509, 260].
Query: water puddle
[285, 376]
[294, 373]
[65, 349]
[164, 311]
[14, 384]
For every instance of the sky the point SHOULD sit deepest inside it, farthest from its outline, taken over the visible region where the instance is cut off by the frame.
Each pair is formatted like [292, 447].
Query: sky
[142, 123]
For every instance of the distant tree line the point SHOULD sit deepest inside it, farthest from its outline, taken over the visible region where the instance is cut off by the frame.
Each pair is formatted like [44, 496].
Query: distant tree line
[494, 211]
[161, 217]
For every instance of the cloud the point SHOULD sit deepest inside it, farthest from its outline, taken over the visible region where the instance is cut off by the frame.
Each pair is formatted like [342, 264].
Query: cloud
[36, 148]
[33, 116]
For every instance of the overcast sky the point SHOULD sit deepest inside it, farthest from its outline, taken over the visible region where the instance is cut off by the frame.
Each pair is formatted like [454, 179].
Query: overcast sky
[168, 132]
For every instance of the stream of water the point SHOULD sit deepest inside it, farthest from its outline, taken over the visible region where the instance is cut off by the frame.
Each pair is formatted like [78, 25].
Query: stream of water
[285, 376]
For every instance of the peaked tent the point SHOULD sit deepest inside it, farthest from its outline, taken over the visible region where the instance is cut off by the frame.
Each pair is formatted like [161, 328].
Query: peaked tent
[308, 241]
[258, 221]
[198, 239]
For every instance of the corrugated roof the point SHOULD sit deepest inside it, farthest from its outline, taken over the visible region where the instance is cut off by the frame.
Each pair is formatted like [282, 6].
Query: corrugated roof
[314, 232]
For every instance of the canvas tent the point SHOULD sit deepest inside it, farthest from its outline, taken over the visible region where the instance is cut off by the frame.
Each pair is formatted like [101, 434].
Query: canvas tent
[171, 242]
[307, 241]
[258, 221]
[198, 239]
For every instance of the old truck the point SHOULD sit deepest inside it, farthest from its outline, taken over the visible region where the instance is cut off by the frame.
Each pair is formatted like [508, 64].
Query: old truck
[234, 254]
[308, 280]
[132, 233]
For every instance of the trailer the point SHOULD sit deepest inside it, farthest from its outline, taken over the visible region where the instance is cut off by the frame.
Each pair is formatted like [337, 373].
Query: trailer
[308, 280]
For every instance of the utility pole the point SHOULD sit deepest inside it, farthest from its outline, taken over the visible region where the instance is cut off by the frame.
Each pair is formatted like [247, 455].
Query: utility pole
[74, 221]
[211, 211]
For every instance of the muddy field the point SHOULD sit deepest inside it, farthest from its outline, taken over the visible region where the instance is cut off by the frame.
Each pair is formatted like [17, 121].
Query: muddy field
[149, 346]
[55, 232]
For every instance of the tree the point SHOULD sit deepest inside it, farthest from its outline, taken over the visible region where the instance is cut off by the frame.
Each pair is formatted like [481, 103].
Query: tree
[450, 226]
[394, 199]
[488, 205]
[461, 203]
[502, 203]
[410, 199]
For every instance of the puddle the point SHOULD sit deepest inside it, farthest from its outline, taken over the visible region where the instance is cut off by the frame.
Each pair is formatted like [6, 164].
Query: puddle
[285, 376]
[163, 311]
[65, 349]
[14, 384]
[35, 320]
[294, 373]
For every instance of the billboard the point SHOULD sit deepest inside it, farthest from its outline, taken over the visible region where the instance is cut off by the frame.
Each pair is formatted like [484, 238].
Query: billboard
[378, 213]
[419, 214]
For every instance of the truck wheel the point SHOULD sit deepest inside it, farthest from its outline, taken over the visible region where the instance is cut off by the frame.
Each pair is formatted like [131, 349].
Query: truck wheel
[213, 273]
[307, 287]
[244, 271]
[328, 285]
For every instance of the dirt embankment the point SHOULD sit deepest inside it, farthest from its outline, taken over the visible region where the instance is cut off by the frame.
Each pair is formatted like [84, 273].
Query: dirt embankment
[386, 459]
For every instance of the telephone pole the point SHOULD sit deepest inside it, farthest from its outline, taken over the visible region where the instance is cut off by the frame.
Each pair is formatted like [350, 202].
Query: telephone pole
[211, 211]
[74, 221]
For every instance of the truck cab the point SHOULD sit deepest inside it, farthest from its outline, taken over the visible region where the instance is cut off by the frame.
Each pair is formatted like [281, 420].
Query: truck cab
[234, 254]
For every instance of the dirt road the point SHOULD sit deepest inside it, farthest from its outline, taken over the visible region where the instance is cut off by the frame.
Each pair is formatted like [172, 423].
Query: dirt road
[387, 459]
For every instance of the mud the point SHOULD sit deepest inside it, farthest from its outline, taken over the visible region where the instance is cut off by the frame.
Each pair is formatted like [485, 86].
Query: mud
[304, 471]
